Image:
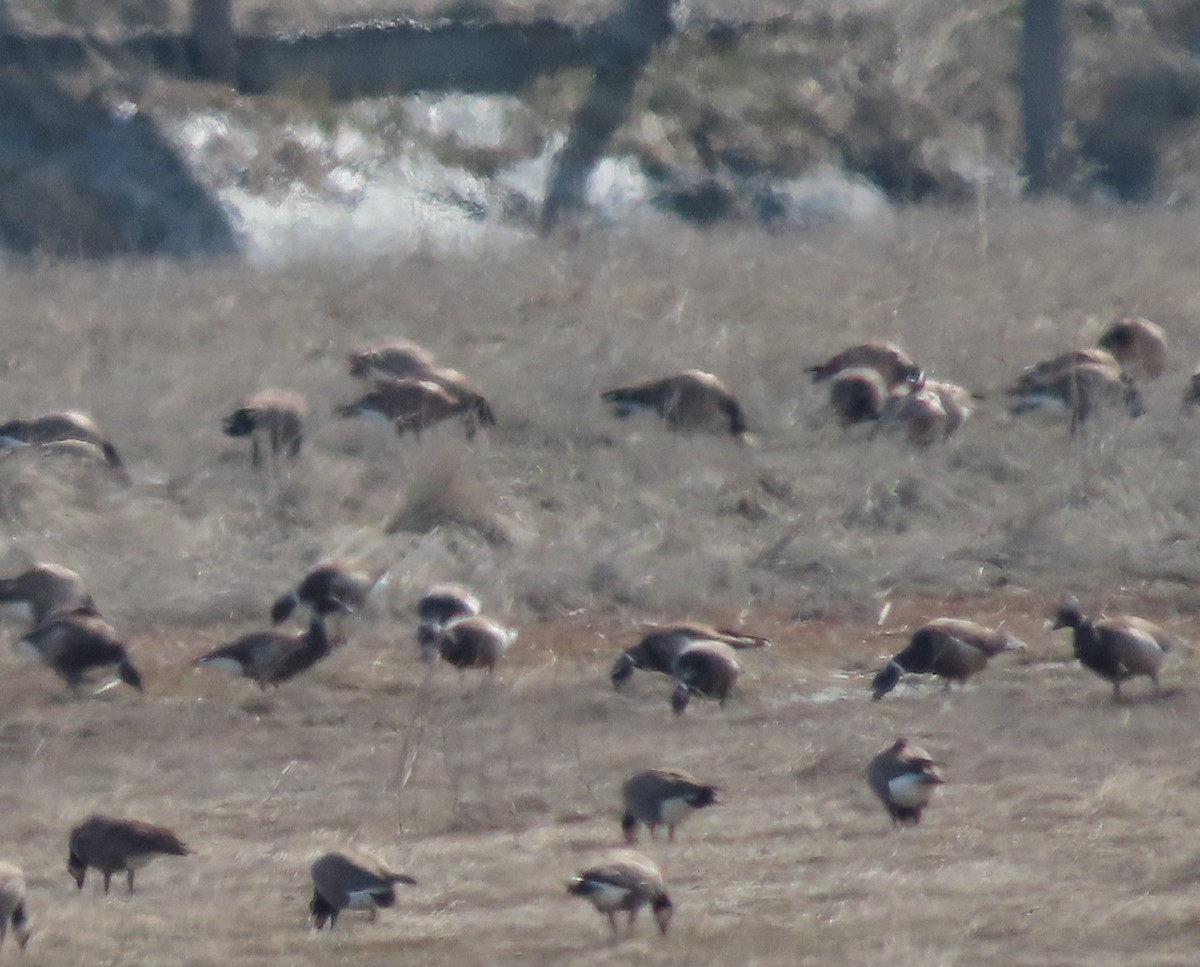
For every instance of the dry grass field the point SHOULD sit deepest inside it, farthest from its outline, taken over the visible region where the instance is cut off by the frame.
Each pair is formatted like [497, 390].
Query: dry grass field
[1063, 835]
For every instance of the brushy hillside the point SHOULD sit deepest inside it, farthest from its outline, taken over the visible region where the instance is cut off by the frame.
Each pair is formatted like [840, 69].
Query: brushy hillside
[1062, 834]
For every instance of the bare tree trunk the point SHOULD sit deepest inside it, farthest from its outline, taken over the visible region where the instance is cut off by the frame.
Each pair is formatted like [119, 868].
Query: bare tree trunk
[1043, 57]
[214, 43]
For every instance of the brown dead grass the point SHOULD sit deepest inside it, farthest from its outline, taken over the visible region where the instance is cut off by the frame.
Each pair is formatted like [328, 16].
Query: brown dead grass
[1063, 833]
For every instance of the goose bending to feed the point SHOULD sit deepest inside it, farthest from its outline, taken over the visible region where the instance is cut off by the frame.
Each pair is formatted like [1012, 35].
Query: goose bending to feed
[474, 642]
[273, 657]
[351, 880]
[858, 395]
[951, 648]
[1116, 648]
[904, 778]
[691, 400]
[705, 668]
[628, 881]
[661, 645]
[43, 591]
[1139, 345]
[69, 426]
[12, 905]
[346, 582]
[415, 405]
[438, 606]
[115, 845]
[72, 645]
[893, 365]
[1077, 390]
[662, 797]
[1037, 375]
[275, 416]
[932, 411]
[393, 359]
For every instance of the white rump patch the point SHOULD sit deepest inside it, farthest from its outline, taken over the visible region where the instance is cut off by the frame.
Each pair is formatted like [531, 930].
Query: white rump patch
[674, 811]
[911, 790]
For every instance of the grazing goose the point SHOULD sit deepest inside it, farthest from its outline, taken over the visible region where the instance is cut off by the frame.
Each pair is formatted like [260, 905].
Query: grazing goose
[343, 581]
[474, 642]
[628, 881]
[662, 796]
[858, 395]
[661, 645]
[351, 880]
[890, 362]
[394, 359]
[73, 644]
[904, 778]
[691, 400]
[705, 668]
[1033, 378]
[112, 845]
[1078, 391]
[12, 905]
[273, 657]
[415, 405]
[438, 606]
[276, 415]
[950, 648]
[1139, 345]
[42, 591]
[1116, 648]
[69, 426]
[932, 411]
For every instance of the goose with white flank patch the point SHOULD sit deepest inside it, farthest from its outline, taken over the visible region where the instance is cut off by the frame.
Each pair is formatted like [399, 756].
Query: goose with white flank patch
[474, 642]
[440, 605]
[625, 880]
[13, 912]
[661, 645]
[705, 668]
[273, 416]
[1139, 345]
[118, 845]
[393, 359]
[415, 405]
[689, 401]
[346, 582]
[893, 365]
[273, 657]
[67, 427]
[904, 778]
[950, 648]
[44, 591]
[73, 645]
[663, 797]
[1076, 386]
[1116, 648]
[351, 880]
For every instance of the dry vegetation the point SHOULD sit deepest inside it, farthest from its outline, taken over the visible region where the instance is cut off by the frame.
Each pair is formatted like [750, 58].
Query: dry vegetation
[1062, 836]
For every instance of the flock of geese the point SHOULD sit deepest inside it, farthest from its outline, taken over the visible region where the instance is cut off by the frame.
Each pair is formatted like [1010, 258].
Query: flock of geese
[870, 383]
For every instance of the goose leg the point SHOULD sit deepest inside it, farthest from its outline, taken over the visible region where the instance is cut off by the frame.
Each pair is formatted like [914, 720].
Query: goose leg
[129, 880]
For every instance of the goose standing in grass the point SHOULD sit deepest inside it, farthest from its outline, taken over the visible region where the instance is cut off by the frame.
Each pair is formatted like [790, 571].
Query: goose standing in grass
[438, 606]
[393, 359]
[44, 591]
[115, 845]
[705, 668]
[1117, 648]
[415, 405]
[661, 645]
[628, 881]
[689, 401]
[1077, 387]
[351, 880]
[951, 648]
[12, 905]
[275, 416]
[273, 657]
[662, 797]
[474, 642]
[346, 582]
[73, 645]
[1139, 345]
[904, 778]
[69, 426]
[858, 395]
[893, 365]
